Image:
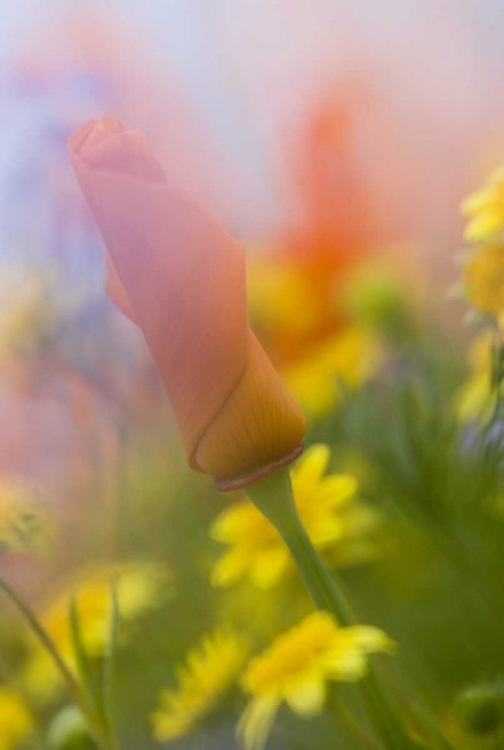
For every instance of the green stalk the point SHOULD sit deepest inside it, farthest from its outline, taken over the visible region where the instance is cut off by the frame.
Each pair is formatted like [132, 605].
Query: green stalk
[81, 657]
[342, 713]
[107, 686]
[273, 498]
[49, 646]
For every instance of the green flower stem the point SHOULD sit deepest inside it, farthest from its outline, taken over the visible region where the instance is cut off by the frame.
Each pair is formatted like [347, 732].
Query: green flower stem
[49, 646]
[109, 665]
[273, 498]
[348, 719]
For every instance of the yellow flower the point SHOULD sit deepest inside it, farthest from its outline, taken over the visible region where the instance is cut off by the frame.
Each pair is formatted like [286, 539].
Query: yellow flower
[277, 290]
[325, 504]
[140, 588]
[26, 312]
[15, 720]
[24, 523]
[208, 674]
[484, 279]
[485, 210]
[345, 361]
[476, 399]
[296, 667]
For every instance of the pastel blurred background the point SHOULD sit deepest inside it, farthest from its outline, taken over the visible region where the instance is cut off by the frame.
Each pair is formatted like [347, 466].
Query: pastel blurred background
[337, 141]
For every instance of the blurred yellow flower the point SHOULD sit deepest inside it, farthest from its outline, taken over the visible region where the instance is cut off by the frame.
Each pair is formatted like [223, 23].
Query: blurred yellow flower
[484, 279]
[326, 505]
[209, 672]
[25, 525]
[296, 667]
[477, 397]
[485, 211]
[26, 312]
[277, 291]
[344, 361]
[15, 720]
[140, 588]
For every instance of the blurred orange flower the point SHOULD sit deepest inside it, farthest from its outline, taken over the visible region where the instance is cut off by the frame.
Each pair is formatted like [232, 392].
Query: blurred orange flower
[340, 232]
[177, 273]
[300, 292]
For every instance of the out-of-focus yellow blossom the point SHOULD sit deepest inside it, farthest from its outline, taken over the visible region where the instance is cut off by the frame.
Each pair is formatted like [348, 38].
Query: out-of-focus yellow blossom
[209, 672]
[140, 588]
[15, 720]
[484, 280]
[485, 211]
[296, 667]
[277, 291]
[25, 525]
[345, 361]
[318, 350]
[325, 505]
[26, 313]
[477, 397]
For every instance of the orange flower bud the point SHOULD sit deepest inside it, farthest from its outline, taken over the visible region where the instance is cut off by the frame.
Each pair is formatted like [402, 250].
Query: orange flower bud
[175, 271]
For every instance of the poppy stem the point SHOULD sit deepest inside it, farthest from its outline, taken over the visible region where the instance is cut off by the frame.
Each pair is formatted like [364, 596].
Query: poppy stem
[273, 497]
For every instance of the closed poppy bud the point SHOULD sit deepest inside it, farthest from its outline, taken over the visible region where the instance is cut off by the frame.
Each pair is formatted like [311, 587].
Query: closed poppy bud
[176, 272]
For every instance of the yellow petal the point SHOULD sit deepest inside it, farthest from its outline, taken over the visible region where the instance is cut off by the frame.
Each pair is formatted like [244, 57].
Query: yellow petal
[348, 662]
[230, 568]
[484, 279]
[347, 666]
[485, 226]
[308, 471]
[476, 398]
[477, 202]
[325, 531]
[336, 490]
[269, 566]
[234, 522]
[257, 721]
[307, 699]
[368, 639]
[16, 724]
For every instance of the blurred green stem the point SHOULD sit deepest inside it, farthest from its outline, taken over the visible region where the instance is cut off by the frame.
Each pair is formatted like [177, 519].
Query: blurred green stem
[273, 497]
[109, 664]
[50, 648]
[348, 719]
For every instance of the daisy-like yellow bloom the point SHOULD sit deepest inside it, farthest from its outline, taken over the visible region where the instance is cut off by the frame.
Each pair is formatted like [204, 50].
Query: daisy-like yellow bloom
[140, 588]
[485, 211]
[15, 720]
[25, 525]
[205, 678]
[477, 397]
[326, 505]
[484, 280]
[297, 666]
[343, 362]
